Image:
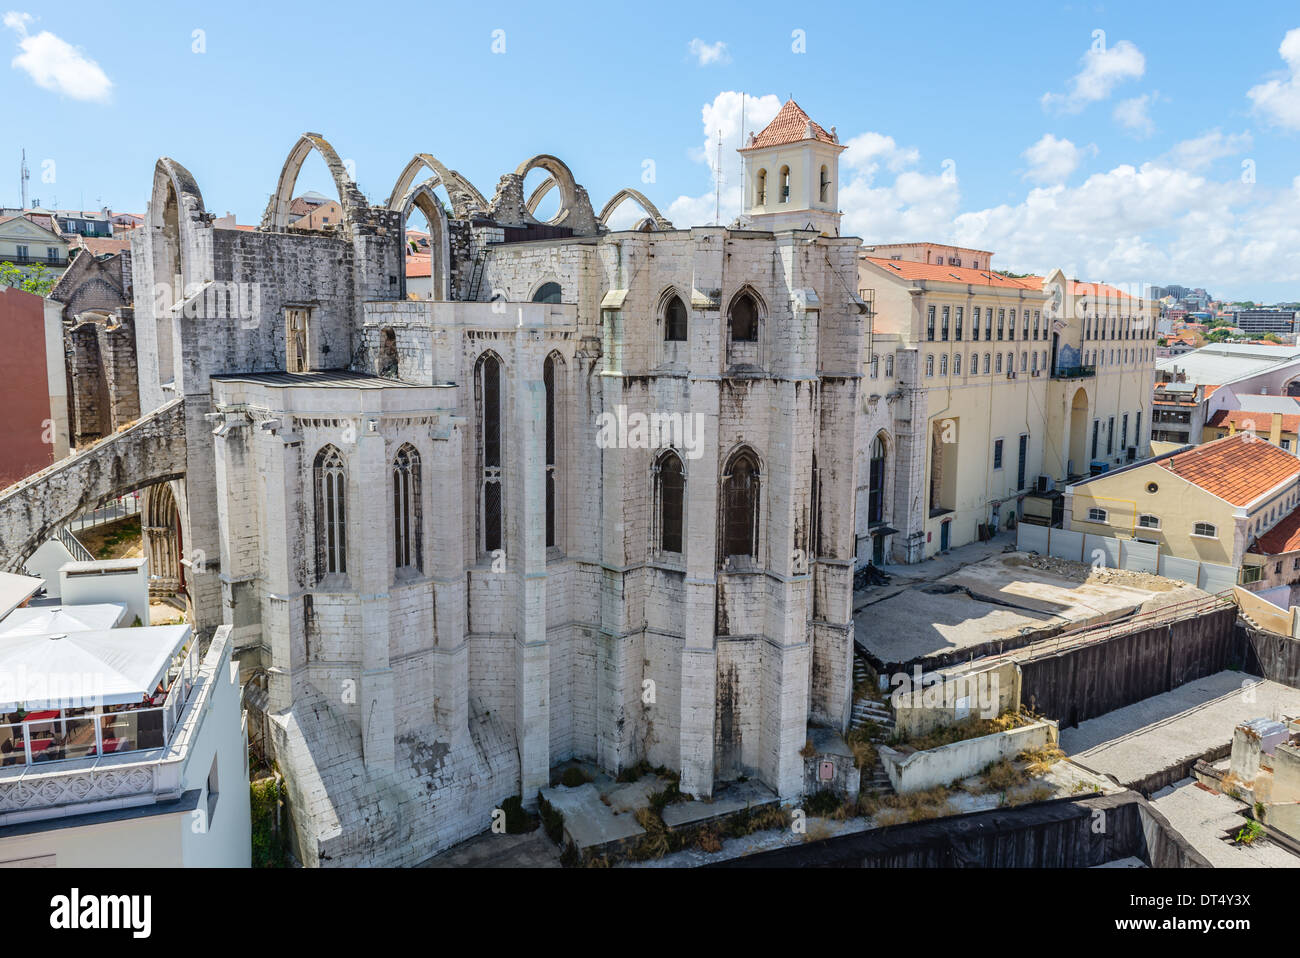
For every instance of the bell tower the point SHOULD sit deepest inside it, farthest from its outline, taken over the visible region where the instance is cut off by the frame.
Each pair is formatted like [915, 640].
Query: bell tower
[792, 175]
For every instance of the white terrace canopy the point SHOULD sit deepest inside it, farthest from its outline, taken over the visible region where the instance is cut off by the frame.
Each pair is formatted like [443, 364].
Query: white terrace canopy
[52, 619]
[85, 669]
[16, 589]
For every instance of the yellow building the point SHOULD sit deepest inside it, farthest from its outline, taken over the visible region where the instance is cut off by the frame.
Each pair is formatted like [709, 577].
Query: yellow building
[1004, 384]
[32, 239]
[1209, 503]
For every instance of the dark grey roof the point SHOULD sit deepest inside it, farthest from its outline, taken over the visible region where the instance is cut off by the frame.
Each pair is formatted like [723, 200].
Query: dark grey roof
[325, 378]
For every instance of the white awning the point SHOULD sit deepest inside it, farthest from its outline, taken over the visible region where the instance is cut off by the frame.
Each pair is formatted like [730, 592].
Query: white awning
[16, 589]
[84, 669]
[49, 619]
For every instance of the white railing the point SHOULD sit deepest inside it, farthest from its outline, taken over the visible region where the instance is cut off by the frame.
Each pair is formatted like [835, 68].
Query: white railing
[105, 731]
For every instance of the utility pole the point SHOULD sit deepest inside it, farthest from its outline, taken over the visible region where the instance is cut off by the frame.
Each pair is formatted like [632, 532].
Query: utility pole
[24, 175]
[717, 188]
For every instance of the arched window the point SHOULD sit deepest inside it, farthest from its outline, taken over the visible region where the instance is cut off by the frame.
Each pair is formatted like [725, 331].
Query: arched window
[675, 320]
[956, 364]
[943, 365]
[929, 364]
[825, 192]
[670, 497]
[889, 366]
[491, 500]
[743, 318]
[785, 185]
[548, 380]
[760, 196]
[1024, 362]
[407, 509]
[875, 367]
[986, 364]
[330, 482]
[876, 482]
[740, 503]
[999, 362]
[547, 293]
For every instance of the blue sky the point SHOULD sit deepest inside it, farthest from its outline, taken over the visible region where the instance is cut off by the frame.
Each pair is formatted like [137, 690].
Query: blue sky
[1118, 155]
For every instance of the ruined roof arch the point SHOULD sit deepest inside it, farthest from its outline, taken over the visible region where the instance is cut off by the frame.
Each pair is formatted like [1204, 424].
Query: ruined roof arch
[560, 176]
[351, 199]
[423, 198]
[640, 199]
[170, 175]
[465, 199]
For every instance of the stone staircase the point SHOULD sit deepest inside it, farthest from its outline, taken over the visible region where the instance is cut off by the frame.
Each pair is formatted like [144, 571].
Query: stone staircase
[868, 710]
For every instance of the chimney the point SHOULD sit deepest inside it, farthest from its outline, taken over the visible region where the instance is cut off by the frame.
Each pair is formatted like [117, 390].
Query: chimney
[1275, 430]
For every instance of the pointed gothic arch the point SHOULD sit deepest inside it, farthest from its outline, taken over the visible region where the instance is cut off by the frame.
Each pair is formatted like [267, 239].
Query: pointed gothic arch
[423, 198]
[639, 198]
[465, 199]
[351, 198]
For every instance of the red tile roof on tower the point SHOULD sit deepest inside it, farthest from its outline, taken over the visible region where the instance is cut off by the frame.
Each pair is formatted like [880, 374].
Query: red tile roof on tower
[938, 273]
[790, 125]
[1238, 469]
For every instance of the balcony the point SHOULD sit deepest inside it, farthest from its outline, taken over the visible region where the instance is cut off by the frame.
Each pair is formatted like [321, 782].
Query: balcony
[59, 263]
[53, 735]
[1074, 372]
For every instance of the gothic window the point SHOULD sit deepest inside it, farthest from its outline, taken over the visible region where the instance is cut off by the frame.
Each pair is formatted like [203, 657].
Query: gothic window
[670, 495]
[675, 320]
[815, 513]
[407, 508]
[330, 481]
[743, 318]
[491, 498]
[740, 503]
[547, 293]
[876, 482]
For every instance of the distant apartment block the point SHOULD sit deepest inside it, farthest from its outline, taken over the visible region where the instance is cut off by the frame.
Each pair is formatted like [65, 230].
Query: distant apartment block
[1259, 321]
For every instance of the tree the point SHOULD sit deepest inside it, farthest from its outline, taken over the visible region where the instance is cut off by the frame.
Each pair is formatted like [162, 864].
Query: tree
[34, 279]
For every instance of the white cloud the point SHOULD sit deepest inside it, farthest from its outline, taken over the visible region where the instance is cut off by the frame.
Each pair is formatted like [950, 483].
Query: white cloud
[1201, 151]
[1104, 68]
[1278, 99]
[1052, 160]
[723, 115]
[54, 64]
[867, 151]
[1134, 115]
[1151, 223]
[707, 53]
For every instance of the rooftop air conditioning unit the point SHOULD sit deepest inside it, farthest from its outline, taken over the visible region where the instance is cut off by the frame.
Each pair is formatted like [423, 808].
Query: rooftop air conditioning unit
[1046, 484]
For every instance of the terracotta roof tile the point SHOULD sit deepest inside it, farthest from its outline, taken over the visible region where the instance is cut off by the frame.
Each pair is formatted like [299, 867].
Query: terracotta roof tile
[418, 264]
[1238, 469]
[1283, 537]
[790, 125]
[936, 272]
[1260, 422]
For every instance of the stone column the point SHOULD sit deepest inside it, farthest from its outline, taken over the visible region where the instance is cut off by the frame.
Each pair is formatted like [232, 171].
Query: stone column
[370, 548]
[528, 564]
[445, 534]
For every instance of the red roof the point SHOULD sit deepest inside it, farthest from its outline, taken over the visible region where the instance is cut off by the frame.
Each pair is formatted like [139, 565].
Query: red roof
[99, 245]
[1283, 537]
[418, 265]
[1238, 468]
[1260, 422]
[790, 125]
[935, 272]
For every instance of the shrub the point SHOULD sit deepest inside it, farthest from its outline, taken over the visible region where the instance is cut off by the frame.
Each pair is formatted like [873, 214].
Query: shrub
[573, 777]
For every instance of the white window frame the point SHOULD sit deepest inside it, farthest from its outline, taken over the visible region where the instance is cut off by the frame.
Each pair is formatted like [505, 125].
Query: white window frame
[1147, 525]
[1098, 514]
[1213, 534]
